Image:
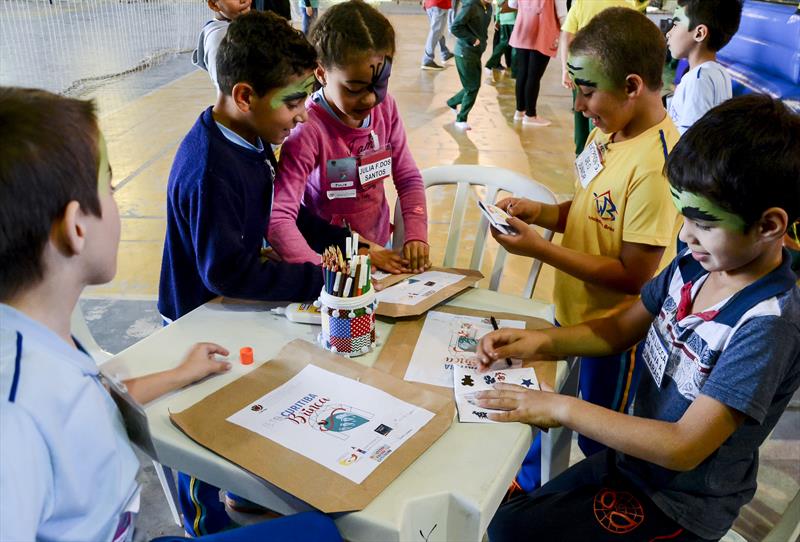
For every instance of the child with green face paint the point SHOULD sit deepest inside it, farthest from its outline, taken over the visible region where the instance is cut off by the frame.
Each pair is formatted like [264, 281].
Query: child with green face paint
[621, 218]
[219, 200]
[699, 29]
[718, 335]
[66, 456]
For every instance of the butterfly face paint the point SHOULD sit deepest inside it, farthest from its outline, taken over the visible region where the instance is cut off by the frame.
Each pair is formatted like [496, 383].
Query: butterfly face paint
[586, 71]
[379, 84]
[295, 91]
[696, 207]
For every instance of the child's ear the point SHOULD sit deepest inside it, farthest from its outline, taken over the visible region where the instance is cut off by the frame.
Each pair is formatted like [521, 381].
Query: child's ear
[700, 33]
[634, 85]
[212, 5]
[242, 94]
[773, 224]
[68, 233]
[319, 73]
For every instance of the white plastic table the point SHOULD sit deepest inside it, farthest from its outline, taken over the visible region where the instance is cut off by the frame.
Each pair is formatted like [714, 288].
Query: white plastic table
[449, 493]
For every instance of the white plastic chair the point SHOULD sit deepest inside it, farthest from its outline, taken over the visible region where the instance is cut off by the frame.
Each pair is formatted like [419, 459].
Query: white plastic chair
[555, 443]
[494, 179]
[80, 330]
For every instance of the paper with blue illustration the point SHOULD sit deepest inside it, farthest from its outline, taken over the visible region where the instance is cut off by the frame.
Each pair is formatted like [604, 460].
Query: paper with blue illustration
[448, 341]
[344, 425]
[467, 382]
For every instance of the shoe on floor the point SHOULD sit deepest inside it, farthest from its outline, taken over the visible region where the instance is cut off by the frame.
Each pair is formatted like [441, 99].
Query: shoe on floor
[453, 109]
[431, 65]
[518, 115]
[535, 121]
[463, 126]
[447, 56]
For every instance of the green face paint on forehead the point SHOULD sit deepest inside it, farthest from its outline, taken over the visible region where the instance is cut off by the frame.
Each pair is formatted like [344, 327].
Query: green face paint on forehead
[680, 17]
[294, 91]
[587, 71]
[696, 207]
[103, 167]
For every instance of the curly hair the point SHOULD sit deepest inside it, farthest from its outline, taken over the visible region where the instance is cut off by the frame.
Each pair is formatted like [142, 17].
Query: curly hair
[262, 49]
[350, 30]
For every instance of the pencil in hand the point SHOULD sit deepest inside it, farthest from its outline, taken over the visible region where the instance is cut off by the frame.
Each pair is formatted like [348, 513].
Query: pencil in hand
[495, 327]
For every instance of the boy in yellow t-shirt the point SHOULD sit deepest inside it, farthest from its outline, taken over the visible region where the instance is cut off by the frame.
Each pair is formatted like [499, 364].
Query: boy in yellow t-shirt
[621, 218]
[580, 13]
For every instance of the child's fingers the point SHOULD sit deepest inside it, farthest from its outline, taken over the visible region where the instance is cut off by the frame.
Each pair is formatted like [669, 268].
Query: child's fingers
[212, 348]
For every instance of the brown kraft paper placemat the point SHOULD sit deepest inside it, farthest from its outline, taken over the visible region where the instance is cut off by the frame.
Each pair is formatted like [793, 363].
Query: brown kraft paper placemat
[395, 310]
[205, 423]
[399, 347]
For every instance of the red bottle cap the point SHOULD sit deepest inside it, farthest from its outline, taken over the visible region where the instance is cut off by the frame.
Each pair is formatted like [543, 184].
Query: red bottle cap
[246, 355]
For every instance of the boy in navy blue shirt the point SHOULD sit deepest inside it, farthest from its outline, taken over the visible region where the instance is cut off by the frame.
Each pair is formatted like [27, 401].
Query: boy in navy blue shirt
[219, 198]
[219, 195]
[720, 337]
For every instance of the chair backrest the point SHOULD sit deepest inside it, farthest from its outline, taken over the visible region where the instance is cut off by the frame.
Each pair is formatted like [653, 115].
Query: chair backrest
[80, 330]
[494, 179]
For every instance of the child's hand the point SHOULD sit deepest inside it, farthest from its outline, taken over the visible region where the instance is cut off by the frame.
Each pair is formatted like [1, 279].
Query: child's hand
[566, 80]
[389, 261]
[524, 209]
[418, 255]
[508, 343]
[477, 42]
[201, 361]
[527, 241]
[519, 404]
[309, 11]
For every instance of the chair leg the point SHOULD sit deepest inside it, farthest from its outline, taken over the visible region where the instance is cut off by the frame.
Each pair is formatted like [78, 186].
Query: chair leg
[556, 442]
[167, 479]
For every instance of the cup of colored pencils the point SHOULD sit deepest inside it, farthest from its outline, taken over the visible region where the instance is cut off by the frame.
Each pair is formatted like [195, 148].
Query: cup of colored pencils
[347, 301]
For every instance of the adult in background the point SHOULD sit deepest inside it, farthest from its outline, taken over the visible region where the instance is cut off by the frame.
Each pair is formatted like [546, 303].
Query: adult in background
[535, 40]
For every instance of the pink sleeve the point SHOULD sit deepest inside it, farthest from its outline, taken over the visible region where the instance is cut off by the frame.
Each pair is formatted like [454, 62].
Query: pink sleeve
[298, 158]
[407, 181]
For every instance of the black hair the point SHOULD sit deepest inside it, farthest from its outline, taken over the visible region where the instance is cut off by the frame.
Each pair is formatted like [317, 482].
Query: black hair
[263, 50]
[722, 18]
[349, 31]
[48, 157]
[744, 155]
[625, 42]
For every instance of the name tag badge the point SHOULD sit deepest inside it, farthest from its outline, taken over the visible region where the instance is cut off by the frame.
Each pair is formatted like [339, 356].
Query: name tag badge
[589, 163]
[375, 166]
[655, 354]
[342, 170]
[345, 184]
[341, 194]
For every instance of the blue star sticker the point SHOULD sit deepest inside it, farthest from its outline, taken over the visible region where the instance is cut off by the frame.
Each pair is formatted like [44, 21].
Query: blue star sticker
[527, 382]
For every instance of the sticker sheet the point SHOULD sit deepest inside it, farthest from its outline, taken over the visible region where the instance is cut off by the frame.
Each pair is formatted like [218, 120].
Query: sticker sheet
[416, 288]
[345, 426]
[447, 341]
[467, 382]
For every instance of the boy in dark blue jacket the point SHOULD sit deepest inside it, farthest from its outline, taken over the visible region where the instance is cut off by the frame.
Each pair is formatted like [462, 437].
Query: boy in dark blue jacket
[219, 195]
[219, 198]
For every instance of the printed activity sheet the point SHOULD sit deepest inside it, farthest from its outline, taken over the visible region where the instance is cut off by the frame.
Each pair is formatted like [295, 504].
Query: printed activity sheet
[467, 382]
[378, 275]
[447, 341]
[414, 289]
[343, 425]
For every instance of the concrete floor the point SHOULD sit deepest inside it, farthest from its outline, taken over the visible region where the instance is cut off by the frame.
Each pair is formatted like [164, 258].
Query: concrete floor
[145, 116]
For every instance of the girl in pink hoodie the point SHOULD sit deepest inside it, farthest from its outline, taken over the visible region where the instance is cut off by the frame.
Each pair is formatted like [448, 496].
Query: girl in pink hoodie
[336, 163]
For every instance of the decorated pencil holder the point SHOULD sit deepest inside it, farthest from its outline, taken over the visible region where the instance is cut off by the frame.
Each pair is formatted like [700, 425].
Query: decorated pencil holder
[348, 323]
